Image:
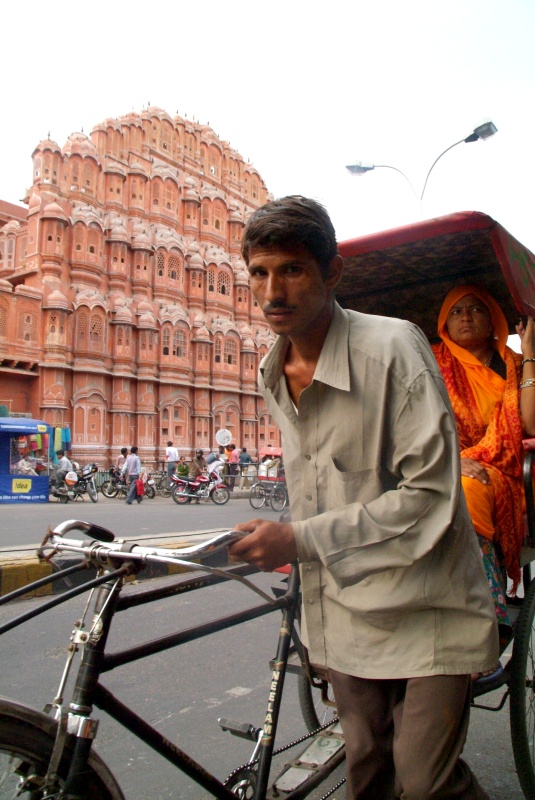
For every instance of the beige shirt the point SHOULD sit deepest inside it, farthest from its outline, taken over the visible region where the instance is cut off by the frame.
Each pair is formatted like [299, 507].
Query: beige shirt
[393, 581]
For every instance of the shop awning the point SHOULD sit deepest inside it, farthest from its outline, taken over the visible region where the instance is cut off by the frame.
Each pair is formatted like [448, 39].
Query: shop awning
[22, 425]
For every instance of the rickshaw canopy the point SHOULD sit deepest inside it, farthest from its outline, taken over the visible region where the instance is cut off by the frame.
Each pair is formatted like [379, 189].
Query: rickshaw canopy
[406, 272]
[268, 450]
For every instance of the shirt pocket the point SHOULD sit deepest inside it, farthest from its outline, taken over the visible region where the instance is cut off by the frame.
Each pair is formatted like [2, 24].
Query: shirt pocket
[350, 486]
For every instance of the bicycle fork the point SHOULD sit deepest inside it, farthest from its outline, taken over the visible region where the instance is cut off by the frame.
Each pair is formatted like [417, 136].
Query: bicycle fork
[76, 724]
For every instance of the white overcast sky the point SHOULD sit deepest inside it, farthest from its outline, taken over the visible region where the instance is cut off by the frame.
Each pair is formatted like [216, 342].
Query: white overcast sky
[300, 89]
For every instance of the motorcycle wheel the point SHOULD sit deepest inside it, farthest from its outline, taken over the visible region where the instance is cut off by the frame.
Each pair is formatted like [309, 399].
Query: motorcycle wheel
[180, 496]
[149, 492]
[92, 492]
[220, 495]
[109, 489]
[63, 498]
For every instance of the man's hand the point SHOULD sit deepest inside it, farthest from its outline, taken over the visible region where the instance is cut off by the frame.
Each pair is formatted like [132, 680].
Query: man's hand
[269, 544]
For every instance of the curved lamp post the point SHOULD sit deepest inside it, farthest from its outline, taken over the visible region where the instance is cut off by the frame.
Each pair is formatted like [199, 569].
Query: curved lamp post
[484, 131]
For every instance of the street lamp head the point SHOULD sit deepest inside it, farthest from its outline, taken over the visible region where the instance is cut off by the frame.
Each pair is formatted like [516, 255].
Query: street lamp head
[359, 168]
[484, 131]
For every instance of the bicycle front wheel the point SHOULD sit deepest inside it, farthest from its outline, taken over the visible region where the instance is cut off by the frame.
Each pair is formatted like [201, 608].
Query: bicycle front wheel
[92, 492]
[149, 491]
[108, 489]
[257, 496]
[165, 486]
[278, 498]
[25, 750]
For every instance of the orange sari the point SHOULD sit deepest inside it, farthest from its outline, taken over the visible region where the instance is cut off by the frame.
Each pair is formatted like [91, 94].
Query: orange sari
[489, 425]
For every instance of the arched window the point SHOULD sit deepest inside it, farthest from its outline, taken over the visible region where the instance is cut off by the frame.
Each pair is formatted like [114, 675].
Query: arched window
[27, 327]
[217, 351]
[173, 268]
[231, 351]
[96, 329]
[179, 343]
[223, 283]
[79, 239]
[81, 327]
[166, 339]
[211, 280]
[93, 241]
[160, 263]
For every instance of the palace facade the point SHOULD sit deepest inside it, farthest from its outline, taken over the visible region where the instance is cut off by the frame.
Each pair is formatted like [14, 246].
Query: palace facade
[125, 310]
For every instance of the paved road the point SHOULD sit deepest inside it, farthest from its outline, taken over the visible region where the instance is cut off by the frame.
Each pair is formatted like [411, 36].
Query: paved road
[26, 525]
[184, 691]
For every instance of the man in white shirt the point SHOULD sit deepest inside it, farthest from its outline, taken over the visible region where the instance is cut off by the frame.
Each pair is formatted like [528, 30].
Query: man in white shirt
[171, 455]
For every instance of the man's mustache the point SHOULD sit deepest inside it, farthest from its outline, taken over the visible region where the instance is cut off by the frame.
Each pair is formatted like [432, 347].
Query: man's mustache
[277, 306]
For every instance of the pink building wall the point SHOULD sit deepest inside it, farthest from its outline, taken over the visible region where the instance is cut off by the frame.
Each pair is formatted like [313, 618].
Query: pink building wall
[125, 310]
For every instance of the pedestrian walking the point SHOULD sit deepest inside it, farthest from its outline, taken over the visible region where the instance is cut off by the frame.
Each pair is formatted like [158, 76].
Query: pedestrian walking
[171, 456]
[132, 469]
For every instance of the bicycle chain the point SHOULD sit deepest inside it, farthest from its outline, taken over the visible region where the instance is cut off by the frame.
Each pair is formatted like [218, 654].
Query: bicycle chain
[254, 762]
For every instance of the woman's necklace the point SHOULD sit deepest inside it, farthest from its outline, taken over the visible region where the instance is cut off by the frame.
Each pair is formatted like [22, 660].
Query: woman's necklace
[489, 359]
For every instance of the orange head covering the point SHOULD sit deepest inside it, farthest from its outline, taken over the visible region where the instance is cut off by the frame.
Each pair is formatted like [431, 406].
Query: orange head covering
[486, 385]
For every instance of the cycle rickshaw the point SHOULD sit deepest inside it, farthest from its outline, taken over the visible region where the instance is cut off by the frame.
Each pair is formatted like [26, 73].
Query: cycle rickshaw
[270, 484]
[406, 272]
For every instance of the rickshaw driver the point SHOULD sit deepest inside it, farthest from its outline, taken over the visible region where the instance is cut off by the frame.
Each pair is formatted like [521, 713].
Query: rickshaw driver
[395, 600]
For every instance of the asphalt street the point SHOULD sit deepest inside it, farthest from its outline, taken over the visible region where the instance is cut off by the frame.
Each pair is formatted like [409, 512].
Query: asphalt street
[184, 691]
[26, 525]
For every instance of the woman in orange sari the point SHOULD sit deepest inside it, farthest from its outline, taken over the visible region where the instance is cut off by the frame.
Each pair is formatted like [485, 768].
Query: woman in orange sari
[492, 392]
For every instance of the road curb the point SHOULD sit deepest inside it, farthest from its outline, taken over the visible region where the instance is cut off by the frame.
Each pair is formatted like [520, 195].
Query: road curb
[18, 571]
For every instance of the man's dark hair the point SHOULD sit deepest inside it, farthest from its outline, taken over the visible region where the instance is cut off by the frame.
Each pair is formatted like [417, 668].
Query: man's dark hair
[169, 444]
[288, 223]
[124, 450]
[133, 450]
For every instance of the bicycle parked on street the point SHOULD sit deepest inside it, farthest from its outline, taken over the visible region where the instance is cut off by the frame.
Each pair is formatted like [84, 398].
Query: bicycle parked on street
[50, 754]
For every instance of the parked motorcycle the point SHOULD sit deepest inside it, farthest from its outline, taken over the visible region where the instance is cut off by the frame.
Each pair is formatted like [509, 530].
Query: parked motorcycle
[116, 486]
[77, 483]
[201, 488]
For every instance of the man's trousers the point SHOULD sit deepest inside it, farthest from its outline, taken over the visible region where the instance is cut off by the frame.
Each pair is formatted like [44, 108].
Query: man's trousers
[404, 737]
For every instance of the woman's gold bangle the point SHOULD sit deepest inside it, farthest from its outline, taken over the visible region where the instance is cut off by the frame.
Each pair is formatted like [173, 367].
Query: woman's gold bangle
[527, 361]
[529, 382]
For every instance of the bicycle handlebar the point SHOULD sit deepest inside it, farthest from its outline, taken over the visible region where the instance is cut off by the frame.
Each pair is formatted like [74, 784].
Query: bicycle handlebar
[106, 548]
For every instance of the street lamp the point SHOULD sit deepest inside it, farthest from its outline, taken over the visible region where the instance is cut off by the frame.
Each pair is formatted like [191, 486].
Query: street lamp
[484, 131]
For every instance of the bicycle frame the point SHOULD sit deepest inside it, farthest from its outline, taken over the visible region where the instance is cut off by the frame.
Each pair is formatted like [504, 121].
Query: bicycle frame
[89, 692]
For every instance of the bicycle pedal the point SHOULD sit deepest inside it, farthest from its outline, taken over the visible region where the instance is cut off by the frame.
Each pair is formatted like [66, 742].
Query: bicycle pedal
[242, 729]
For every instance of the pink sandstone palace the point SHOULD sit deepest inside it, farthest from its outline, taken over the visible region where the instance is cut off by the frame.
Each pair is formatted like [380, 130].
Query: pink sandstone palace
[125, 311]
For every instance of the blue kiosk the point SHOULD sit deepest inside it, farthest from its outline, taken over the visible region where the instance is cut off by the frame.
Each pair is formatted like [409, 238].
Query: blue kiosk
[23, 474]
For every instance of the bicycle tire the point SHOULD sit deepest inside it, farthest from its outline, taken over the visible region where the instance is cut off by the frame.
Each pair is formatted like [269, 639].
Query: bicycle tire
[522, 700]
[25, 749]
[257, 496]
[278, 498]
[220, 495]
[179, 495]
[150, 492]
[109, 489]
[165, 486]
[313, 710]
[92, 492]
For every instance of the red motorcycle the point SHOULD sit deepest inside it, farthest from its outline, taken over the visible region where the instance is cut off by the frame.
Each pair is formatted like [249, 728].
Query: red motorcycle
[201, 488]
